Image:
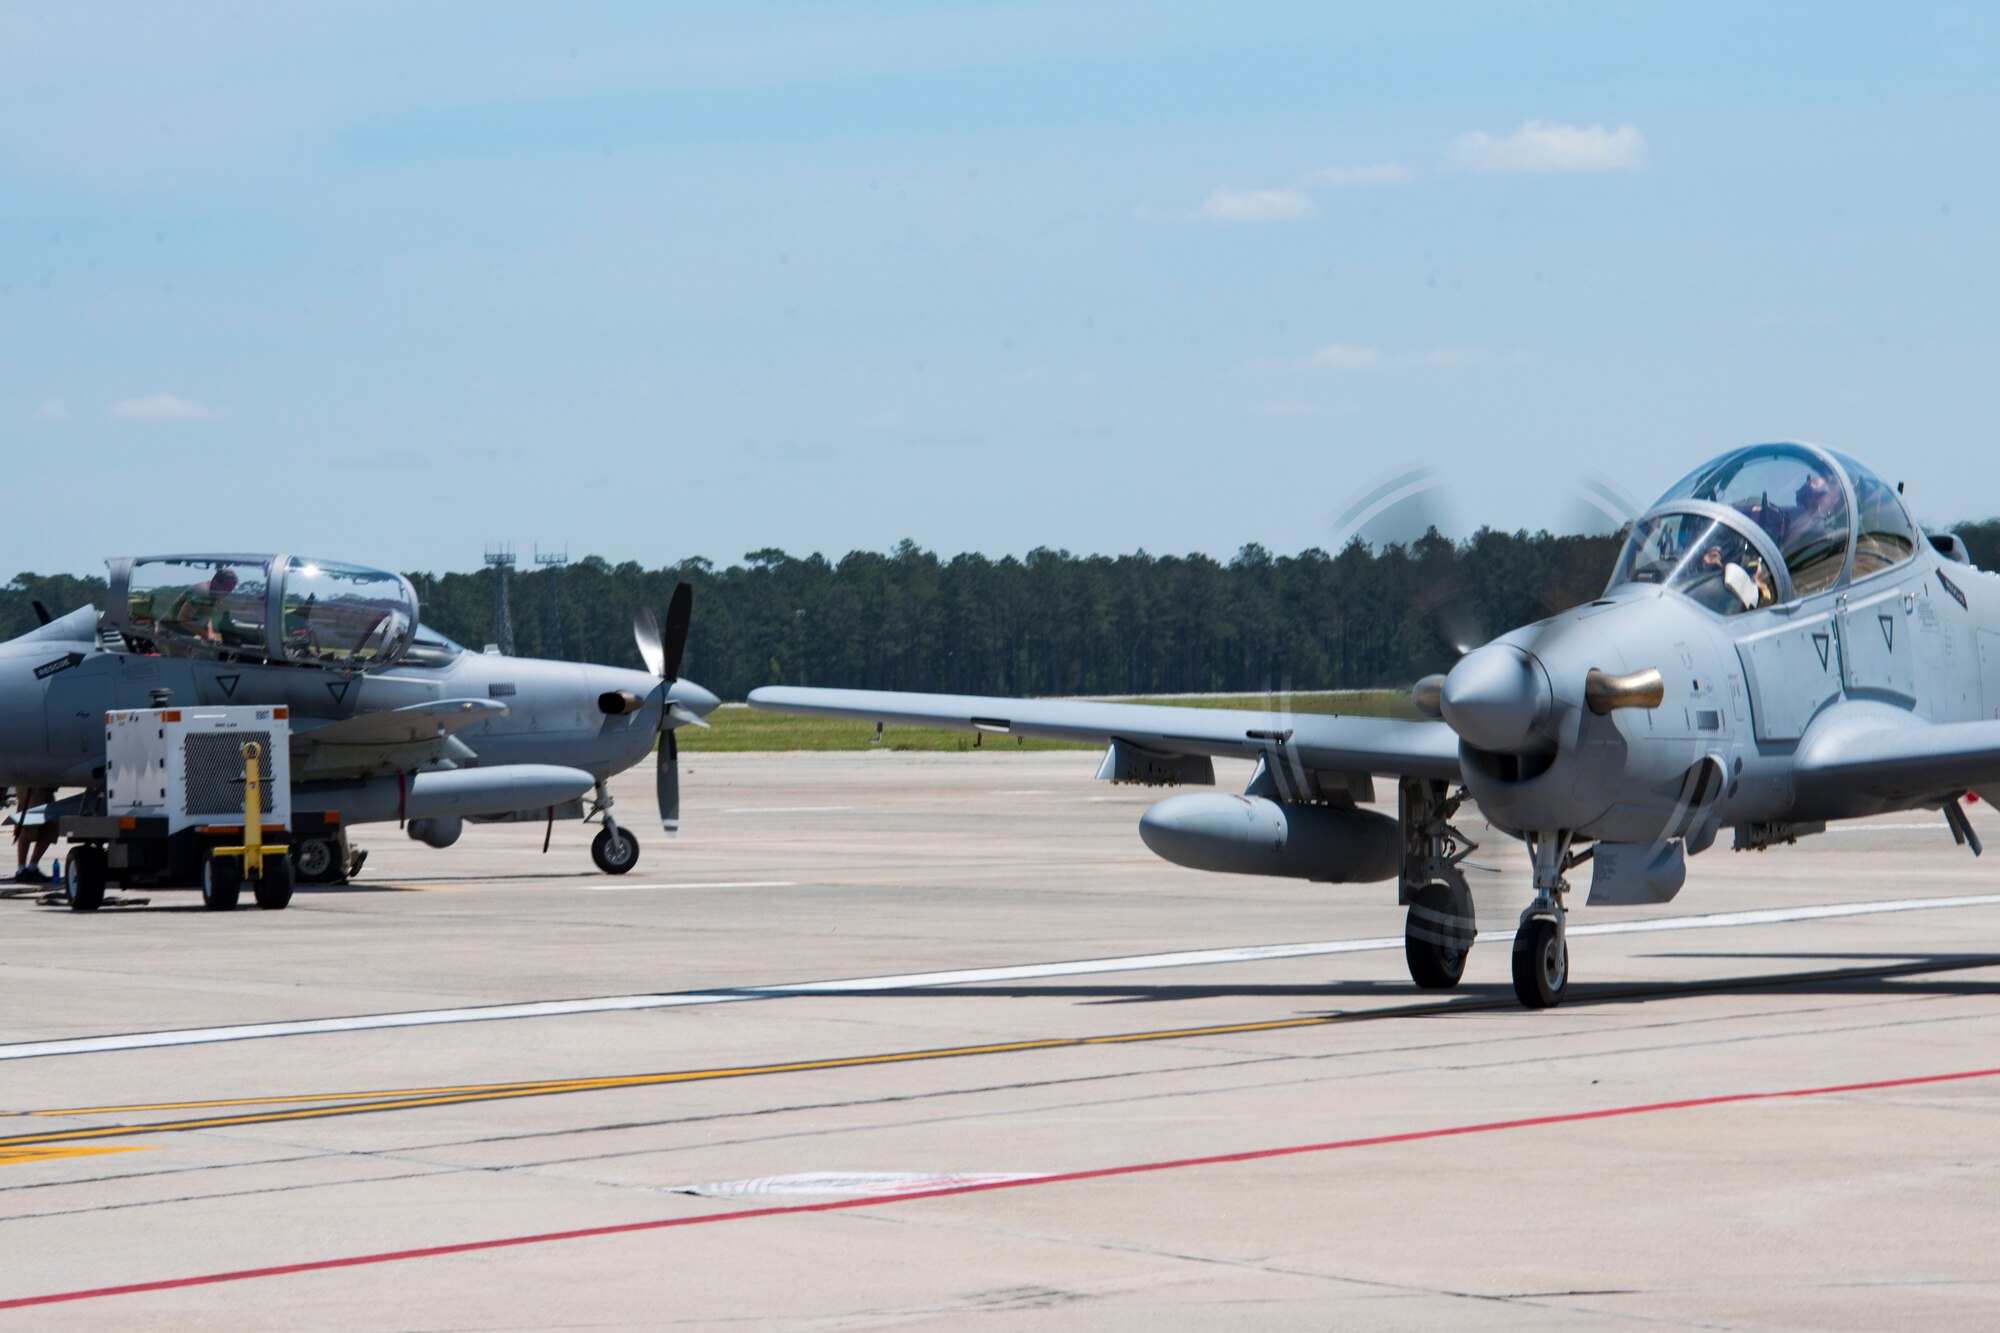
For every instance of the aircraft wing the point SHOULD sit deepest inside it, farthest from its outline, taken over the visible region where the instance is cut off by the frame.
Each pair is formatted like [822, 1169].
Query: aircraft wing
[1900, 756]
[396, 740]
[1319, 741]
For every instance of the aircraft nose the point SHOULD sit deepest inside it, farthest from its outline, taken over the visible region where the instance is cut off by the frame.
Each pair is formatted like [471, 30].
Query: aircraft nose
[693, 697]
[1497, 698]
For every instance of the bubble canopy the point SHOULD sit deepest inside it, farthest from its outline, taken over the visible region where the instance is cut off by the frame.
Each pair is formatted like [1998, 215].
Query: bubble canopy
[1787, 517]
[274, 608]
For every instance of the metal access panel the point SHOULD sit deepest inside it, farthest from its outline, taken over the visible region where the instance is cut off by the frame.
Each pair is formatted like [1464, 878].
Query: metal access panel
[1793, 671]
[185, 765]
[1878, 643]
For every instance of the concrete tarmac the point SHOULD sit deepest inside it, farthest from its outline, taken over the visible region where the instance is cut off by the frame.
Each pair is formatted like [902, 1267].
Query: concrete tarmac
[910, 1040]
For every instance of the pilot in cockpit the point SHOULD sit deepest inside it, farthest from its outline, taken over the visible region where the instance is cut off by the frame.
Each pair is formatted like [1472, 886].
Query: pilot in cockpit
[1815, 504]
[199, 613]
[1730, 577]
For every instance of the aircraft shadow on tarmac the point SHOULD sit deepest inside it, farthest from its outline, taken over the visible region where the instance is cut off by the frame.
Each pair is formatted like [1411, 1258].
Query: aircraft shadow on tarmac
[1907, 975]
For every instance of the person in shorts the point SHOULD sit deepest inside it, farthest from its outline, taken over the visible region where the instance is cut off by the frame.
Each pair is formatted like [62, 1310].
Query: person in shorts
[31, 843]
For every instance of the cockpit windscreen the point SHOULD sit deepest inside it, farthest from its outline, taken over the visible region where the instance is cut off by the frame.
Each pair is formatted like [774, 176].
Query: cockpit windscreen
[345, 614]
[1700, 556]
[1792, 493]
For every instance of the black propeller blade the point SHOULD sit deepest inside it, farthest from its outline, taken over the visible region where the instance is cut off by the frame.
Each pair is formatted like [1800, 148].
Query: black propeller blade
[680, 609]
[662, 653]
[41, 612]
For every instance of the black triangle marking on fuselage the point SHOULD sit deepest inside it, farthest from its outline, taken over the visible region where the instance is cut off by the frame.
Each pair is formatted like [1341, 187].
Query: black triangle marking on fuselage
[1823, 642]
[228, 684]
[1888, 632]
[338, 689]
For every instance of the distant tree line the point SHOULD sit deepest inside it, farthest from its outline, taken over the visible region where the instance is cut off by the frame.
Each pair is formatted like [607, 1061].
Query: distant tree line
[1050, 624]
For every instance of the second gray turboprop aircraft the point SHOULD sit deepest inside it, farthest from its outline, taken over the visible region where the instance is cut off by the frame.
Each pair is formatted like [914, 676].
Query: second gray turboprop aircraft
[1778, 647]
[390, 721]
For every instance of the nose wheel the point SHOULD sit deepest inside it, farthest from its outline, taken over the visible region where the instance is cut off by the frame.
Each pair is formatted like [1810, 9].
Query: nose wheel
[614, 849]
[1541, 945]
[1541, 963]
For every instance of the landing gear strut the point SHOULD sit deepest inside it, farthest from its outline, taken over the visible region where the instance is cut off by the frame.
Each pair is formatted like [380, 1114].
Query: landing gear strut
[1440, 927]
[1541, 945]
[614, 849]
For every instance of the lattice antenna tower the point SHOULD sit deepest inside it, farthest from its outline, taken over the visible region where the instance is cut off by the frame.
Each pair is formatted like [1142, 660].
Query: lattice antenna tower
[553, 561]
[500, 559]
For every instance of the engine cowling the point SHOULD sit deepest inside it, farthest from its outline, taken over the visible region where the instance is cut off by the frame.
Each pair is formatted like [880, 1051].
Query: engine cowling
[1249, 835]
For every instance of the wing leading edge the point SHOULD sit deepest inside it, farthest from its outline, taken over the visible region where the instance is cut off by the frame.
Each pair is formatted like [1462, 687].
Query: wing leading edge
[1888, 754]
[1320, 741]
[397, 740]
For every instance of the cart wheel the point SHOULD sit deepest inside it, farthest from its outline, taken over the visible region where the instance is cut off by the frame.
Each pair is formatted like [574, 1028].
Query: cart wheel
[274, 886]
[83, 878]
[221, 883]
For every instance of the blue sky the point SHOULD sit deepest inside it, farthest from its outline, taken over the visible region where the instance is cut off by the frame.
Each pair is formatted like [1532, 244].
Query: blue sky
[388, 283]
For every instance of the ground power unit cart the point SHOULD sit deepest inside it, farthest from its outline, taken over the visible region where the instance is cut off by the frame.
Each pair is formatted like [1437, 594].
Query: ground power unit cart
[193, 797]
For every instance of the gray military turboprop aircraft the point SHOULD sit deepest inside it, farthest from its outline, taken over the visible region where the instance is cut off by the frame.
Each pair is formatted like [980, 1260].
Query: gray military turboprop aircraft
[1778, 647]
[390, 720]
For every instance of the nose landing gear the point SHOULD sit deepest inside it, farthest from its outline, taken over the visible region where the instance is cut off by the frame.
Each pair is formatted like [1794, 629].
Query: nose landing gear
[614, 849]
[1541, 944]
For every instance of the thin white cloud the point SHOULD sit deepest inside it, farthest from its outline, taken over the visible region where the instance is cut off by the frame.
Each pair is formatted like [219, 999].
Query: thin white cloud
[1346, 356]
[52, 410]
[1547, 147]
[1277, 205]
[1372, 176]
[160, 407]
[1351, 357]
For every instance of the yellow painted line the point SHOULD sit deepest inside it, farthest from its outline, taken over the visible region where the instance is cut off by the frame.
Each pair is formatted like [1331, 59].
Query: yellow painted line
[23, 1156]
[358, 1103]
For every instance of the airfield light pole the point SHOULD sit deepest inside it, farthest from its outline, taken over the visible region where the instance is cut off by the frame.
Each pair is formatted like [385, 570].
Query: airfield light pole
[500, 559]
[553, 563]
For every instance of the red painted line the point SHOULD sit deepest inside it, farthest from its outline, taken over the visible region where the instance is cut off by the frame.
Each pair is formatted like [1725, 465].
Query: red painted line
[1096, 1173]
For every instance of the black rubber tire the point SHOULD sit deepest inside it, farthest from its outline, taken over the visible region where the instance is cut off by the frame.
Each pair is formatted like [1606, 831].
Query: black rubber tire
[1541, 964]
[84, 878]
[618, 859]
[274, 887]
[221, 883]
[1437, 936]
[318, 861]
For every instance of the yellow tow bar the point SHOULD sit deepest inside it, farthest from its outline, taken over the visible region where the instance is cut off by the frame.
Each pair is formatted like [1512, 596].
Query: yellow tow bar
[252, 852]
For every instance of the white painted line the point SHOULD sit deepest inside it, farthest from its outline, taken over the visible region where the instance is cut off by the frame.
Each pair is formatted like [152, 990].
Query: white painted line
[1939, 827]
[850, 1184]
[1254, 953]
[718, 884]
[786, 809]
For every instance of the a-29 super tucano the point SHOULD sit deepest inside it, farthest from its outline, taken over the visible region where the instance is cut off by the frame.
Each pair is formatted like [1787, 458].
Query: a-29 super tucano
[1779, 646]
[389, 720]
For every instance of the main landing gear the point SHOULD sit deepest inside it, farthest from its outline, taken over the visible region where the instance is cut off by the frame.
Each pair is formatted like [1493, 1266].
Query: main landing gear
[1441, 925]
[614, 849]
